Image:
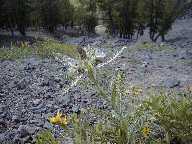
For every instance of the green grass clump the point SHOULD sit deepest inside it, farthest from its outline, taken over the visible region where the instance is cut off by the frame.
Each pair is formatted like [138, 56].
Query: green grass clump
[153, 47]
[173, 114]
[46, 138]
[50, 48]
[43, 49]
[15, 53]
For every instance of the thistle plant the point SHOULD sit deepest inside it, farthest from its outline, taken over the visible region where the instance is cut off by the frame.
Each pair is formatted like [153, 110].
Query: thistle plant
[128, 119]
[116, 125]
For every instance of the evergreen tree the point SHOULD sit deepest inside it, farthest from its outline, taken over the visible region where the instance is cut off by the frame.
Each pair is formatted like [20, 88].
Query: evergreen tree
[23, 10]
[89, 18]
[161, 15]
[108, 9]
[123, 17]
[8, 15]
[55, 12]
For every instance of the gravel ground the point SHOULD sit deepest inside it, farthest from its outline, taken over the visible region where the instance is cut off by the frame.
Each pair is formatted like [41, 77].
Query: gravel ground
[31, 89]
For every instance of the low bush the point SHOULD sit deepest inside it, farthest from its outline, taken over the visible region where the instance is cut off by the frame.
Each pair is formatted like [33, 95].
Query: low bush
[173, 112]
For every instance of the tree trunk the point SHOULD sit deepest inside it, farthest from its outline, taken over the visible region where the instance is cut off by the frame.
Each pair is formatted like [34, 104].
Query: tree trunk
[163, 38]
[22, 30]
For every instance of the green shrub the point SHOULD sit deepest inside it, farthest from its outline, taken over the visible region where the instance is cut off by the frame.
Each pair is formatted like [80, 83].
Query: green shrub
[50, 48]
[46, 138]
[43, 49]
[15, 52]
[173, 114]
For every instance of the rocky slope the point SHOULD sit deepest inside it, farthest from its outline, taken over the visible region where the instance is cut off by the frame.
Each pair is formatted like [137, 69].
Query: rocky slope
[31, 89]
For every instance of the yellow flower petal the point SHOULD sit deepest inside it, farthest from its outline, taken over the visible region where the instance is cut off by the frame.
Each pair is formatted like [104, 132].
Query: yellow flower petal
[146, 131]
[59, 119]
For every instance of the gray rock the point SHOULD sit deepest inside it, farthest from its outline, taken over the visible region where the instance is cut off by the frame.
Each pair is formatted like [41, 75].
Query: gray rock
[171, 83]
[37, 122]
[23, 84]
[185, 54]
[7, 137]
[3, 126]
[18, 140]
[36, 102]
[25, 130]
[16, 118]
[50, 104]
[2, 108]
[62, 99]
[2, 137]
[47, 125]
[45, 83]
[29, 67]
[75, 108]
[22, 131]
[36, 108]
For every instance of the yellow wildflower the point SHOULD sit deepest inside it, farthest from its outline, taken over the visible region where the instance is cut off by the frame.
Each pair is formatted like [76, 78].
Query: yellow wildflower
[56, 119]
[59, 119]
[64, 120]
[136, 91]
[146, 131]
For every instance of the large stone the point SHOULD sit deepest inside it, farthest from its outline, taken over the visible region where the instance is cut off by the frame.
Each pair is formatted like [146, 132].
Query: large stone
[2, 108]
[3, 126]
[64, 100]
[2, 137]
[101, 30]
[185, 54]
[47, 125]
[36, 102]
[23, 84]
[171, 83]
[25, 130]
[37, 122]
[29, 67]
[76, 109]
[16, 118]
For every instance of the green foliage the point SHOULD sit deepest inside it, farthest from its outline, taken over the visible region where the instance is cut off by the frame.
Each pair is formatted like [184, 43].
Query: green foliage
[85, 14]
[43, 49]
[160, 16]
[123, 17]
[114, 126]
[46, 138]
[15, 53]
[15, 13]
[174, 115]
[148, 46]
[90, 21]
[25, 13]
[129, 119]
[51, 48]
[130, 16]
[55, 12]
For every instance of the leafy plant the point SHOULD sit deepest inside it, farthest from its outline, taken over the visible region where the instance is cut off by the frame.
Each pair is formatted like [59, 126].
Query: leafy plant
[49, 48]
[43, 49]
[129, 119]
[174, 115]
[46, 138]
[116, 125]
[15, 52]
